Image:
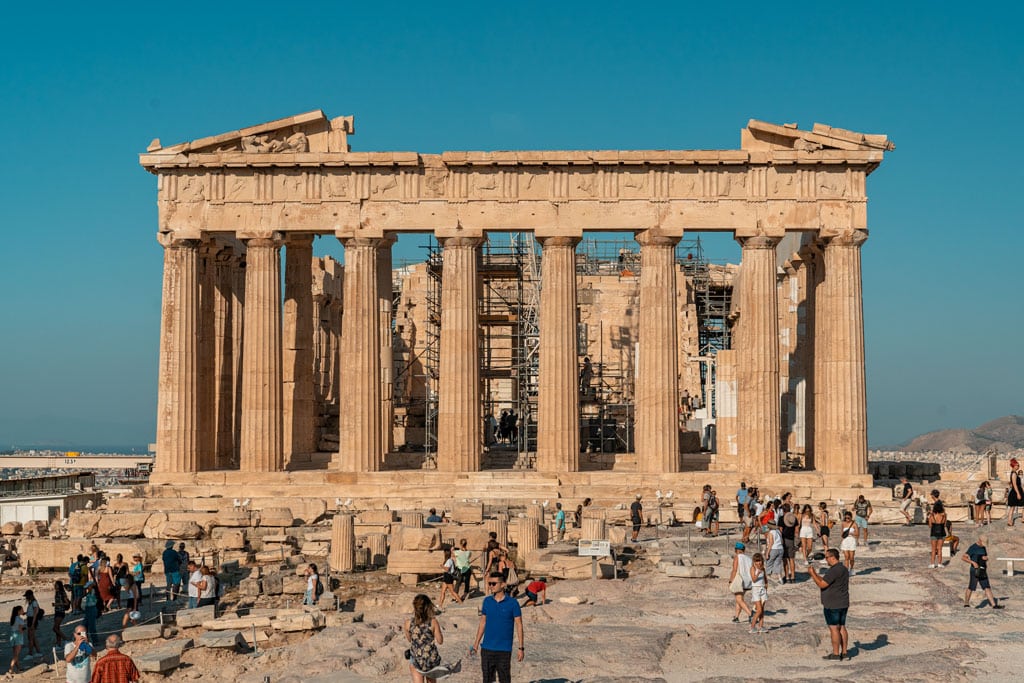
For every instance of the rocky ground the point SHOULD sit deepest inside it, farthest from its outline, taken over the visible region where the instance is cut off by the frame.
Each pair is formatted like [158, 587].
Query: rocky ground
[907, 623]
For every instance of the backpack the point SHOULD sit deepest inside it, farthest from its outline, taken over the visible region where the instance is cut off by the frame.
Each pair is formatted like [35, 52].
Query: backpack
[319, 587]
[712, 503]
[75, 573]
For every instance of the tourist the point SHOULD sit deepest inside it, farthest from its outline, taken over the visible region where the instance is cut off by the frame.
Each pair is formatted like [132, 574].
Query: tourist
[742, 496]
[758, 593]
[503, 427]
[490, 430]
[513, 426]
[208, 587]
[739, 580]
[705, 513]
[774, 550]
[78, 576]
[119, 570]
[61, 605]
[508, 574]
[91, 611]
[977, 557]
[313, 586]
[788, 531]
[907, 500]
[424, 635]
[752, 514]
[491, 550]
[115, 666]
[448, 578]
[172, 571]
[138, 572]
[979, 504]
[711, 517]
[19, 629]
[559, 522]
[988, 502]
[183, 556]
[807, 532]
[464, 568]
[1015, 494]
[500, 618]
[952, 539]
[433, 517]
[33, 615]
[577, 521]
[133, 596]
[824, 523]
[78, 656]
[937, 527]
[105, 583]
[848, 544]
[862, 513]
[835, 602]
[636, 517]
[195, 578]
[536, 592]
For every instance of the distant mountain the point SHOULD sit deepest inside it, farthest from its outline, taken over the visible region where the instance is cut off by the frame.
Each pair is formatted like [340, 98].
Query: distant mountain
[1003, 434]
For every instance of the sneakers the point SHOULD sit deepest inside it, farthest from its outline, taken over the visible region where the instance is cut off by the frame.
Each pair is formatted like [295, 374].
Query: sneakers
[967, 604]
[832, 657]
[735, 620]
[931, 566]
[997, 606]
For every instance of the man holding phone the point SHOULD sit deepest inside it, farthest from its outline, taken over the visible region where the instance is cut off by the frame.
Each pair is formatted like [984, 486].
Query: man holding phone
[79, 655]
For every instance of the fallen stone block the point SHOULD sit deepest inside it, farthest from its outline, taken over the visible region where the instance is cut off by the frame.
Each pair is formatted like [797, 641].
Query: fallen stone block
[376, 517]
[157, 662]
[276, 517]
[705, 561]
[273, 584]
[318, 536]
[342, 618]
[235, 623]
[13, 528]
[187, 618]
[250, 587]
[278, 554]
[222, 639]
[144, 632]
[573, 600]
[176, 647]
[262, 636]
[690, 572]
[305, 622]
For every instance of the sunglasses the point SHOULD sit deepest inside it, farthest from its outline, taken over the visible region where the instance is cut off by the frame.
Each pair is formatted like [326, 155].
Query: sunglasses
[493, 583]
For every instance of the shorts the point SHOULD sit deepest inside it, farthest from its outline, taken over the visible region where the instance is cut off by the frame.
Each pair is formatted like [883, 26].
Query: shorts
[712, 516]
[741, 510]
[940, 537]
[530, 596]
[806, 532]
[788, 548]
[824, 530]
[835, 617]
[975, 582]
[905, 505]
[636, 526]
[759, 594]
[861, 522]
[448, 578]
[173, 578]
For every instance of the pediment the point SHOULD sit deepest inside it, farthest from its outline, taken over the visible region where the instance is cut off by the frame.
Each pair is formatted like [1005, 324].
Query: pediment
[763, 135]
[308, 132]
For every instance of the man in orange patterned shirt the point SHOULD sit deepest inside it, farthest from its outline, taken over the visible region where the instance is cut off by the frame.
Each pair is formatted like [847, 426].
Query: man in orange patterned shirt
[114, 667]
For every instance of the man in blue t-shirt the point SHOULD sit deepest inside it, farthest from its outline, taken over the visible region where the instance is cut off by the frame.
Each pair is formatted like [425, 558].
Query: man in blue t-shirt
[172, 571]
[741, 499]
[977, 557]
[559, 522]
[500, 616]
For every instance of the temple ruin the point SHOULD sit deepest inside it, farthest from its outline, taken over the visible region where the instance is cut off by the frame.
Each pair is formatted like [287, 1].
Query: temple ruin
[632, 366]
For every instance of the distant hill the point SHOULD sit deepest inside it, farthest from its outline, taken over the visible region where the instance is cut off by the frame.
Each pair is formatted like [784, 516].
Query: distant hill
[1002, 434]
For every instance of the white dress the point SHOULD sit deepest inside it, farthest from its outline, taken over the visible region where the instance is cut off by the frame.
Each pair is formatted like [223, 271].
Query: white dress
[850, 542]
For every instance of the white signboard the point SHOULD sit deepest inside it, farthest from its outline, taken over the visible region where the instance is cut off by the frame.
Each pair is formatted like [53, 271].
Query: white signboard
[595, 548]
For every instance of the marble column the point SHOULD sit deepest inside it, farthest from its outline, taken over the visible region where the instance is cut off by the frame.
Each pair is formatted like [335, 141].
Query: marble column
[360, 439]
[843, 405]
[224, 398]
[757, 376]
[177, 430]
[237, 346]
[529, 537]
[387, 355]
[299, 419]
[343, 543]
[459, 426]
[657, 384]
[558, 399]
[207, 383]
[725, 407]
[262, 448]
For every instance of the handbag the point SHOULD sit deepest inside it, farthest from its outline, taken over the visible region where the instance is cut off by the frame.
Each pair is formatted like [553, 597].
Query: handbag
[513, 578]
[736, 585]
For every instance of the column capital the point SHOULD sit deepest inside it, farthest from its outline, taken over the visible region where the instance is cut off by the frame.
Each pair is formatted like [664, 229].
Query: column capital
[352, 242]
[847, 238]
[168, 240]
[759, 242]
[461, 242]
[558, 241]
[262, 239]
[655, 238]
[298, 239]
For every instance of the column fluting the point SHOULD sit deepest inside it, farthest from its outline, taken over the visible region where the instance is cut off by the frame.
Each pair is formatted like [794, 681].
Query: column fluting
[299, 401]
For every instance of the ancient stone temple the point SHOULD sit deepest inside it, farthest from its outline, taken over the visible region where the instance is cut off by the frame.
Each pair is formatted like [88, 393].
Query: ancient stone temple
[246, 367]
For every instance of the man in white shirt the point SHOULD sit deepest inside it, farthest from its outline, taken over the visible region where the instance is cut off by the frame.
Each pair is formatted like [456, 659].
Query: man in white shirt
[79, 655]
[195, 579]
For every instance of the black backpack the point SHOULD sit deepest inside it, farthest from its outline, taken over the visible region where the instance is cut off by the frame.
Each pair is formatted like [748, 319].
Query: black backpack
[319, 587]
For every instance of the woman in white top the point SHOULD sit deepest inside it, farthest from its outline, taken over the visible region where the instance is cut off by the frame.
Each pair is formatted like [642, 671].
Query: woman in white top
[448, 579]
[739, 580]
[849, 542]
[773, 548]
[758, 593]
[312, 578]
[807, 532]
[207, 587]
[32, 617]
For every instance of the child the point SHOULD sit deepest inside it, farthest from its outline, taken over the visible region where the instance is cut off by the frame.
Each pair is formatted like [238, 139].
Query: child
[758, 593]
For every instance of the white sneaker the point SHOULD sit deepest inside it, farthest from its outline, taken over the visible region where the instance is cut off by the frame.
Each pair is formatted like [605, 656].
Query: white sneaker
[931, 566]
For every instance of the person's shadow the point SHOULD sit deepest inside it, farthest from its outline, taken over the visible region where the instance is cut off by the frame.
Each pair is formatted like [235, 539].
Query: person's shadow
[869, 570]
[880, 641]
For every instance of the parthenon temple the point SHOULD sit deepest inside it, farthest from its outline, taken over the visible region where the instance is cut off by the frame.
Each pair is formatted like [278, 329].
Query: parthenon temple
[563, 331]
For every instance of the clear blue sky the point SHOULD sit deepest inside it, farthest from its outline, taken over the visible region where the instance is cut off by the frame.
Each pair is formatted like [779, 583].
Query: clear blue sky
[84, 89]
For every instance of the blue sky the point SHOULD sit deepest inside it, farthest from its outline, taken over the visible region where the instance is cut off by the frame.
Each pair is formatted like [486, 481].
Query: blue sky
[84, 89]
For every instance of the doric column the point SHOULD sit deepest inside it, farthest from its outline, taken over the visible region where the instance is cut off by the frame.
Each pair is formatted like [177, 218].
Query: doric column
[177, 430]
[343, 543]
[299, 432]
[841, 428]
[207, 384]
[725, 406]
[757, 375]
[558, 400]
[262, 445]
[237, 346]
[387, 355]
[459, 429]
[657, 384]
[360, 439]
[224, 398]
